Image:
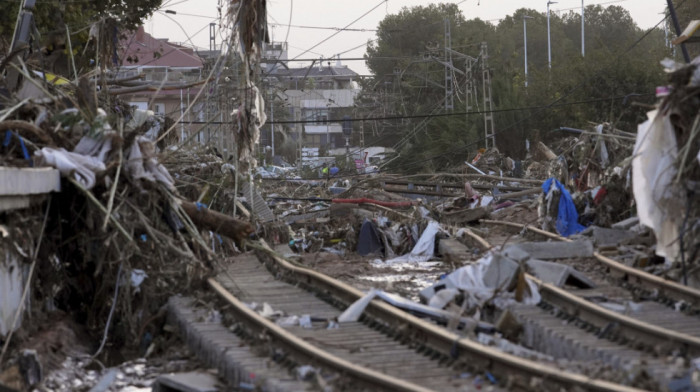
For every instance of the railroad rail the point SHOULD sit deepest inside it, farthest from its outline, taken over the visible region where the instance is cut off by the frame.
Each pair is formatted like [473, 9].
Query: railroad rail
[679, 334]
[398, 341]
[666, 288]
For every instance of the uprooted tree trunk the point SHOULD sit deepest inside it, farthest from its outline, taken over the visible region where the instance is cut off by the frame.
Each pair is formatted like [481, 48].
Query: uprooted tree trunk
[217, 222]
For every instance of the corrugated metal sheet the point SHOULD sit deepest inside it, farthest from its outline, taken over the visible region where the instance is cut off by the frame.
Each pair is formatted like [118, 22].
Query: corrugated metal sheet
[260, 209]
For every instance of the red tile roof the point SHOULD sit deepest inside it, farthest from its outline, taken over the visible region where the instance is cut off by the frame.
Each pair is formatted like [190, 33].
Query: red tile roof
[143, 49]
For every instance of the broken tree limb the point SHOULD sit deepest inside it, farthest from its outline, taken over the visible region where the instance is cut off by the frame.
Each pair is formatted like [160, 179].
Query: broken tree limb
[394, 204]
[123, 81]
[155, 87]
[217, 222]
[387, 210]
[102, 208]
[25, 126]
[113, 191]
[489, 177]
[515, 195]
[545, 151]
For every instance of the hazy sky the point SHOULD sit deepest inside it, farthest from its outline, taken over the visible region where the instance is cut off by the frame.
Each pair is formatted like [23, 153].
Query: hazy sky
[194, 16]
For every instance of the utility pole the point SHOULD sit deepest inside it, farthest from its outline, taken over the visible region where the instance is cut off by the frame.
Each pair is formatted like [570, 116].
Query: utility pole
[525, 18]
[489, 132]
[208, 108]
[549, 41]
[272, 126]
[583, 39]
[182, 116]
[449, 86]
[470, 94]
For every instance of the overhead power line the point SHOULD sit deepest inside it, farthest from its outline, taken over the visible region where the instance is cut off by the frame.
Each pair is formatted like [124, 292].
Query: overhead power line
[321, 27]
[450, 114]
[338, 32]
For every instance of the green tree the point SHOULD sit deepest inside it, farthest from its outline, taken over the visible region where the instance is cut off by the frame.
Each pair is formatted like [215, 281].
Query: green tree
[52, 17]
[620, 66]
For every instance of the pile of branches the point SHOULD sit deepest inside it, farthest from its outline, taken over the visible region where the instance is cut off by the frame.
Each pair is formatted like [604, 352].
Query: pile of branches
[119, 238]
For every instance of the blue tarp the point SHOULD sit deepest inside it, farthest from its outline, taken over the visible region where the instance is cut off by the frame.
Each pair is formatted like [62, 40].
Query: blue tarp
[567, 219]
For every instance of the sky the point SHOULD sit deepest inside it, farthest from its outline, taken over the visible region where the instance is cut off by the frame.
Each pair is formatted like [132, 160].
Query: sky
[190, 23]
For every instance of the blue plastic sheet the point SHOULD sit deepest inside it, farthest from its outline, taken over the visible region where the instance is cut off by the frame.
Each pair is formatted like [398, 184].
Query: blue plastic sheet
[567, 219]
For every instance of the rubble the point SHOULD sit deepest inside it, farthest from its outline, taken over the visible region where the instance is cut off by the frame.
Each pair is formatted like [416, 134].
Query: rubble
[555, 250]
[131, 220]
[187, 382]
[665, 180]
[117, 213]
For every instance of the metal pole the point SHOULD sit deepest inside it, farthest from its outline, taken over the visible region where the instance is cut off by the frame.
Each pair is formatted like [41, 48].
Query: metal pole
[272, 126]
[583, 39]
[549, 41]
[677, 26]
[182, 116]
[525, 18]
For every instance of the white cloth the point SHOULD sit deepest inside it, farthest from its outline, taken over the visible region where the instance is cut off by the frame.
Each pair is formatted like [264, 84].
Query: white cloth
[424, 248]
[660, 202]
[141, 163]
[82, 168]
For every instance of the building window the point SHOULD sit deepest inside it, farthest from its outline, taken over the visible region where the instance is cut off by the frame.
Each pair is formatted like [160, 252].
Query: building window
[315, 115]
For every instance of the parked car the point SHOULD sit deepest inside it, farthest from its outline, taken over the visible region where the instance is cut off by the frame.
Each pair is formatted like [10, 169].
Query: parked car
[274, 172]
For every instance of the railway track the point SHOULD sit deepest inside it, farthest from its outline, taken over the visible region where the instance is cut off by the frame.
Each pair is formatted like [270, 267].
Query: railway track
[665, 290]
[387, 349]
[576, 323]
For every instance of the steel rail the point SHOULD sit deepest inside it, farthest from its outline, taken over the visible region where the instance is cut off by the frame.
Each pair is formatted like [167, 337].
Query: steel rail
[290, 340]
[665, 287]
[436, 337]
[635, 330]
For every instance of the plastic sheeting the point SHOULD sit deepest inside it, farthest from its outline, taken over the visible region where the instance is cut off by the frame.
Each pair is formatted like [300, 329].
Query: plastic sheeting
[604, 158]
[567, 216]
[80, 167]
[90, 154]
[424, 248]
[369, 242]
[660, 203]
[470, 280]
[142, 164]
[355, 310]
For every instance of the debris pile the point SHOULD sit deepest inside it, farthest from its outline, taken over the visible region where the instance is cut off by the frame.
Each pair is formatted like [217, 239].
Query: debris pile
[119, 238]
[666, 171]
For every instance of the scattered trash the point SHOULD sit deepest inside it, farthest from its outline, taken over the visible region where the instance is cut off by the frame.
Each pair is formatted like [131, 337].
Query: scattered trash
[306, 372]
[424, 248]
[558, 209]
[187, 382]
[305, 321]
[491, 278]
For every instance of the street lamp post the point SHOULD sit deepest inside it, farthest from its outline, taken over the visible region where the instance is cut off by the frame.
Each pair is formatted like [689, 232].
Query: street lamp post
[549, 42]
[525, 18]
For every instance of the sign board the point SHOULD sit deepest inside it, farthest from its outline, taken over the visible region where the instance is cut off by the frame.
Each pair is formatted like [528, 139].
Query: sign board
[359, 164]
